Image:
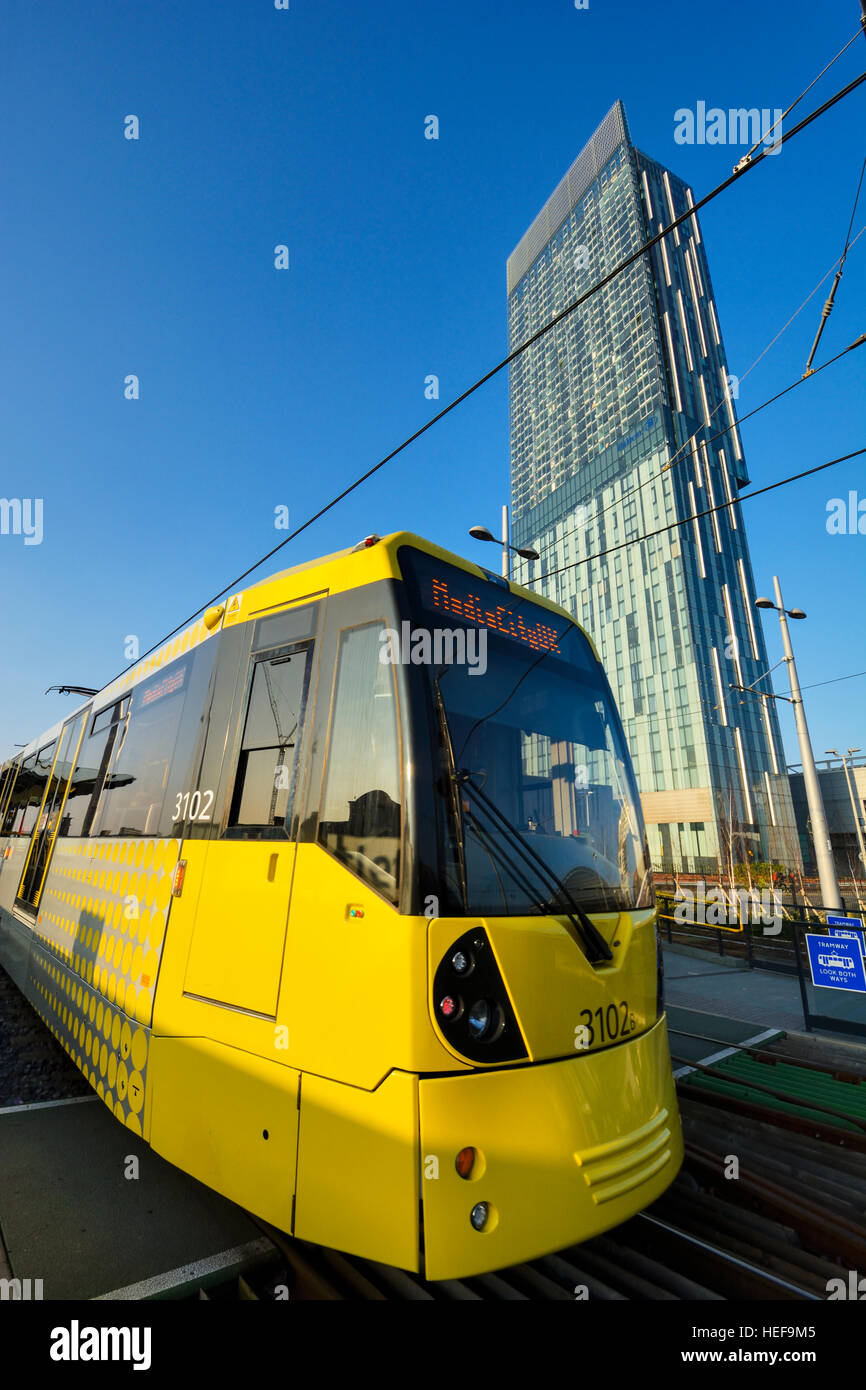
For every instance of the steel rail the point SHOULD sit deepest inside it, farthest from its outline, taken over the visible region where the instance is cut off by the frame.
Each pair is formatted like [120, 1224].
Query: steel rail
[754, 1270]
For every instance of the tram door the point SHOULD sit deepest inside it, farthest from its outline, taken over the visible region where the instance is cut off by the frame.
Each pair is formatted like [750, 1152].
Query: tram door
[242, 910]
[50, 812]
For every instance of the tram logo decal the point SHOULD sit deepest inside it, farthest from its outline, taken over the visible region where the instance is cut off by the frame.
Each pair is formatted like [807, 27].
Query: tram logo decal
[439, 646]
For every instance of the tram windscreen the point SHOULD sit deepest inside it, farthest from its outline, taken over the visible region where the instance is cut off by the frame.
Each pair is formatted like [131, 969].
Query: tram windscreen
[544, 811]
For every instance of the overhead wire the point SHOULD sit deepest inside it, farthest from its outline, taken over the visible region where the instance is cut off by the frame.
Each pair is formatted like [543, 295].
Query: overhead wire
[797, 101]
[831, 298]
[835, 680]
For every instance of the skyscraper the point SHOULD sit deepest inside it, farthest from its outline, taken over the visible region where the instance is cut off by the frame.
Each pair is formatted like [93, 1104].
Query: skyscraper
[622, 422]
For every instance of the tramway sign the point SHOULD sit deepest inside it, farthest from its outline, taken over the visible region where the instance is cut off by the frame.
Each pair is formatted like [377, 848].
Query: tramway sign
[849, 927]
[835, 963]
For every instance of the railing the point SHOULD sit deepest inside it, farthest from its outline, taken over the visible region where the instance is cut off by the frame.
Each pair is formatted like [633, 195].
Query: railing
[776, 940]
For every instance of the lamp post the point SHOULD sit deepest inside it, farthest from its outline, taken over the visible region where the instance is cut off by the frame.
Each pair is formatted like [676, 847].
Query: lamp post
[481, 533]
[820, 834]
[854, 807]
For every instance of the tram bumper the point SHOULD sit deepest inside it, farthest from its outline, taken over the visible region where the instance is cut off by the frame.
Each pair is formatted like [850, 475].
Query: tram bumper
[565, 1150]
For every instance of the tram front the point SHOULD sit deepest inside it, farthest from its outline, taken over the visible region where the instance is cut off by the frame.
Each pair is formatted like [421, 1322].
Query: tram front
[543, 959]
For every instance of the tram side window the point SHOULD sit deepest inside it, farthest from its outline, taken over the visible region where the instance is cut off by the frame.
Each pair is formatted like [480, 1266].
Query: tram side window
[264, 790]
[137, 773]
[86, 781]
[360, 816]
[29, 788]
[7, 779]
[18, 799]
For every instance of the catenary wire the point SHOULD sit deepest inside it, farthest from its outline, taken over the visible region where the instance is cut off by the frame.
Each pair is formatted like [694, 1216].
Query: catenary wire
[797, 101]
[834, 680]
[831, 298]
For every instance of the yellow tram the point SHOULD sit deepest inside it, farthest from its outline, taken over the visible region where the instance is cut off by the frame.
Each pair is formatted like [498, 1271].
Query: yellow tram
[341, 901]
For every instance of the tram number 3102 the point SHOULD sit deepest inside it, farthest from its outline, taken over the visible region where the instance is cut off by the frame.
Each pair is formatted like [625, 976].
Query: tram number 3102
[604, 1024]
[193, 805]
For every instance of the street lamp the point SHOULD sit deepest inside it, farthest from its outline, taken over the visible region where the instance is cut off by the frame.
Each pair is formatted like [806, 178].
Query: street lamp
[820, 834]
[854, 806]
[481, 533]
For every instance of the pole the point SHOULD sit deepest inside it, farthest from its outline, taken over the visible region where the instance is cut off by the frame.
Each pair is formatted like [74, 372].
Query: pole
[506, 556]
[855, 808]
[830, 895]
[800, 977]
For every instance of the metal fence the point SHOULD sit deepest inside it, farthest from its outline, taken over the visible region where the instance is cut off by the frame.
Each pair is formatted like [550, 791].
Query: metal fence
[778, 943]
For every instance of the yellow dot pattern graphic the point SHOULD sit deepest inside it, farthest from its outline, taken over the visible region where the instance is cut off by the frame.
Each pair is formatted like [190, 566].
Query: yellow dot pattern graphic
[104, 911]
[103, 1043]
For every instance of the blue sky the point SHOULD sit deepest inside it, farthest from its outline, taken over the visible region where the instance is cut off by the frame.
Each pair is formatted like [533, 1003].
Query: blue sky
[262, 388]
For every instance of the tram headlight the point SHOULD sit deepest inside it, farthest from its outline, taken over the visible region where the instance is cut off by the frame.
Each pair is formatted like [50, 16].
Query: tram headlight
[471, 1005]
[479, 1018]
[485, 1020]
[479, 1214]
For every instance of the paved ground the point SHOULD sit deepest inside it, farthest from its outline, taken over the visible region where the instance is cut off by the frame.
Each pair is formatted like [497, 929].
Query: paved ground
[695, 1036]
[78, 1213]
[763, 997]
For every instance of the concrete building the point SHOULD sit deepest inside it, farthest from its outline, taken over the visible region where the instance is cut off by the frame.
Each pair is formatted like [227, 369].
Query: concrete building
[836, 795]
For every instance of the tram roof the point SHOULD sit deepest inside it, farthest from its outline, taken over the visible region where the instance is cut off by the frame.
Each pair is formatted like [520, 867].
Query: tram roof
[374, 558]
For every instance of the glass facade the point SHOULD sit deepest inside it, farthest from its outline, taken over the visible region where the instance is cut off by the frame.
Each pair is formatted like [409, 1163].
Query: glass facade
[616, 421]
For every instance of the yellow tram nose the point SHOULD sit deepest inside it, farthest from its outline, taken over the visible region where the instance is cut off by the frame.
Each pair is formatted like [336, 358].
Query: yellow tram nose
[568, 1149]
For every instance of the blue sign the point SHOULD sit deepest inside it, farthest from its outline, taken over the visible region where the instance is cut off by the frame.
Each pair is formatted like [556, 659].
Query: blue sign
[844, 921]
[849, 936]
[835, 964]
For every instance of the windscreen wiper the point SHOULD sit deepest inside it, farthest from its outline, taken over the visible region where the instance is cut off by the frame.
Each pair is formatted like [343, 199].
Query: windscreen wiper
[448, 748]
[496, 856]
[596, 948]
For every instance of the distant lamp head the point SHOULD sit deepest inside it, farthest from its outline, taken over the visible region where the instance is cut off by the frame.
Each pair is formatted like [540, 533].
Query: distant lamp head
[796, 613]
[480, 533]
[528, 553]
[764, 603]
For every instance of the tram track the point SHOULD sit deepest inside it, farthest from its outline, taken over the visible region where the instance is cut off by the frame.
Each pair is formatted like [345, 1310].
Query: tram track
[687, 1247]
